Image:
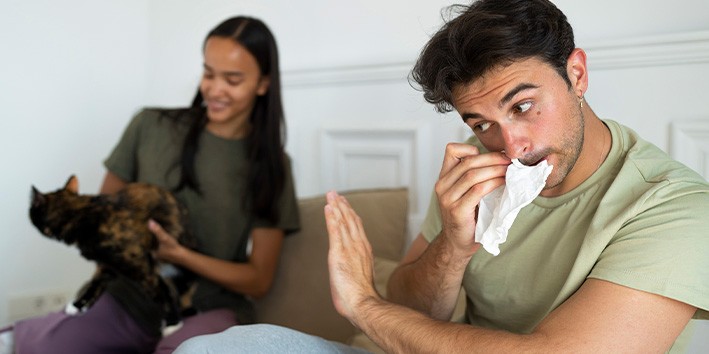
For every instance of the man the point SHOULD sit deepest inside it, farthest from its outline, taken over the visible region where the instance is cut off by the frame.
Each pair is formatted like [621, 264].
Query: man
[612, 257]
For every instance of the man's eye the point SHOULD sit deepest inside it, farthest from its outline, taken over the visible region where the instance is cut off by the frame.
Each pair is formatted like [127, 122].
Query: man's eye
[481, 127]
[523, 107]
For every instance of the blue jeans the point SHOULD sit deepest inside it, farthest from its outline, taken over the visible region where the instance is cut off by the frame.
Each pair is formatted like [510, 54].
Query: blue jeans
[262, 338]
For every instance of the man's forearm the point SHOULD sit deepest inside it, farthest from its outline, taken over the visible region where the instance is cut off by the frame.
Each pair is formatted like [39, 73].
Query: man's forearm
[430, 284]
[398, 329]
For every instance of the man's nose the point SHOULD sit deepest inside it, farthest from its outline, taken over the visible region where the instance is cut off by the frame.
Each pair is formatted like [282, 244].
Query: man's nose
[516, 142]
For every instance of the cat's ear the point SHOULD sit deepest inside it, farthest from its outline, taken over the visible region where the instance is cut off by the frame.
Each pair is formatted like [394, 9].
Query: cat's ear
[37, 197]
[72, 185]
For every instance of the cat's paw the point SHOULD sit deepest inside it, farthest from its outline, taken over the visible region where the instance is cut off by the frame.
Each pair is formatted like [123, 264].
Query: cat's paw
[72, 310]
[168, 330]
[7, 342]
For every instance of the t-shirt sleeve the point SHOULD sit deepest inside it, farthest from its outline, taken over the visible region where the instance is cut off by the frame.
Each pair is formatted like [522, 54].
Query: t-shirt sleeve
[123, 159]
[432, 224]
[288, 213]
[663, 250]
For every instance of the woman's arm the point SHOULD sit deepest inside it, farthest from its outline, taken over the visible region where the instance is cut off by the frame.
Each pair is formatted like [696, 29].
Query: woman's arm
[112, 183]
[253, 278]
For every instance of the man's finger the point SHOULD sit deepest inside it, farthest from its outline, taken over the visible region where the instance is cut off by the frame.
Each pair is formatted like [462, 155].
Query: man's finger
[450, 192]
[454, 153]
[356, 222]
[334, 219]
[470, 163]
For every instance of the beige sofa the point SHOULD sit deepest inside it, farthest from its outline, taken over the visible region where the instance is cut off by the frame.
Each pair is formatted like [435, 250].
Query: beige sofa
[300, 297]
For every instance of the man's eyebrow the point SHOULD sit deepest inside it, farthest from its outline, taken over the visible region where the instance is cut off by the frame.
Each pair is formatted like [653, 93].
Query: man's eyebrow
[467, 116]
[519, 88]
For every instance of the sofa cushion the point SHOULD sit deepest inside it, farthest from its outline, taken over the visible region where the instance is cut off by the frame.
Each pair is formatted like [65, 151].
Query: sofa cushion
[300, 295]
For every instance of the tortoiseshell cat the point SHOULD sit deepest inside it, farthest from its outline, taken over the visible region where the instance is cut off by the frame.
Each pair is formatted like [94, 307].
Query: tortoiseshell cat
[112, 230]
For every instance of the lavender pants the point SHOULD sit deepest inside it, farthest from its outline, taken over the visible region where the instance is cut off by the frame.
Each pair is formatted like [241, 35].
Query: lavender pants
[107, 328]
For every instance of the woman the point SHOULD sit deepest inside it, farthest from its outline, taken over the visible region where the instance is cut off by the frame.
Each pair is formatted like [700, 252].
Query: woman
[224, 159]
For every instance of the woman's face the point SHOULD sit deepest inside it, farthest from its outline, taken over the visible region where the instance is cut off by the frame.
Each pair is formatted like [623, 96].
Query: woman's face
[230, 84]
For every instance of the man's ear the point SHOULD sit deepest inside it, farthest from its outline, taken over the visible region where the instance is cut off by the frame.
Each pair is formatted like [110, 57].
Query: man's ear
[578, 71]
[263, 85]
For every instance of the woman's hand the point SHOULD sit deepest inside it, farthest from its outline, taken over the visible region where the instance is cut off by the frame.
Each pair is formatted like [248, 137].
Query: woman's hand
[169, 249]
[252, 278]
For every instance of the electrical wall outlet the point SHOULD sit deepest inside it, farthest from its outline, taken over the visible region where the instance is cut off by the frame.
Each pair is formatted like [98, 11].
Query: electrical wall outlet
[25, 306]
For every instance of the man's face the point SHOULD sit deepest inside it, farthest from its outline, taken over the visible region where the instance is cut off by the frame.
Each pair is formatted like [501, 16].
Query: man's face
[526, 110]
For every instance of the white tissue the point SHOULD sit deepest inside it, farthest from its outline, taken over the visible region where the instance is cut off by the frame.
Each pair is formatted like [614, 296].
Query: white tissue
[498, 210]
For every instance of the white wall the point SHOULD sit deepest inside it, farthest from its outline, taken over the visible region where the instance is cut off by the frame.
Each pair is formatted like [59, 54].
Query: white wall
[70, 73]
[77, 72]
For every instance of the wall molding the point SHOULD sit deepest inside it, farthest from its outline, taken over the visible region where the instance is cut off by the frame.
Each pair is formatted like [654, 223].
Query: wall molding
[346, 75]
[689, 144]
[660, 50]
[647, 51]
[392, 151]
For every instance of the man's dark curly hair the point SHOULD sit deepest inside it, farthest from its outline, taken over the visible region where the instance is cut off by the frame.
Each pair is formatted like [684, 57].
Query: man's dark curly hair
[489, 34]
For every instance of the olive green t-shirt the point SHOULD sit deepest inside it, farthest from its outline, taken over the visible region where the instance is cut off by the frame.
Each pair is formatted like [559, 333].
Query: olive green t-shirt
[639, 221]
[149, 151]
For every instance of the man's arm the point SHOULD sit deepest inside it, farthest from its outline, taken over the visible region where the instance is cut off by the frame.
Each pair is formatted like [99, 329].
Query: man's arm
[427, 281]
[599, 317]
[429, 277]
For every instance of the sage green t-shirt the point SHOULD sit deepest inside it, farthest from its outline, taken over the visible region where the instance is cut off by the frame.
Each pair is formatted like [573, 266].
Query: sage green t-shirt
[149, 151]
[640, 221]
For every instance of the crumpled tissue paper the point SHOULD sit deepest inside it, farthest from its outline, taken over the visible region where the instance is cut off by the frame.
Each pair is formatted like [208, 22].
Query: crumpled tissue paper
[498, 209]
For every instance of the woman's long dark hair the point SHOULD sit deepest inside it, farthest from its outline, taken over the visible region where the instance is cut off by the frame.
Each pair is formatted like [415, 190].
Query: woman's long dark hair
[267, 174]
